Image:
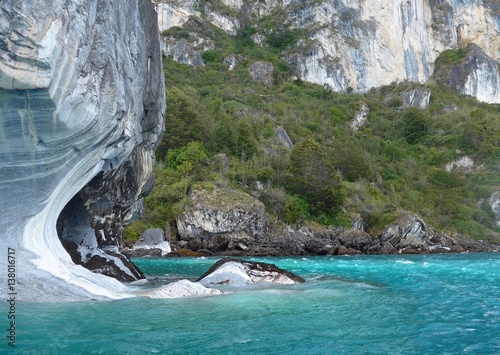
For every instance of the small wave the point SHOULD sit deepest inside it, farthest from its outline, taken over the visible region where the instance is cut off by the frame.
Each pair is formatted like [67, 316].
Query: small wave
[405, 261]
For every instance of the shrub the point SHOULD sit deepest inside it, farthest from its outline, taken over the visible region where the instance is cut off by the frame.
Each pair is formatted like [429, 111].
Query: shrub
[415, 126]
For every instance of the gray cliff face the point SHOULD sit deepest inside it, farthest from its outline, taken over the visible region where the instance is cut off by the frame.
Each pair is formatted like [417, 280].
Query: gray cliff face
[220, 220]
[477, 75]
[357, 44]
[82, 110]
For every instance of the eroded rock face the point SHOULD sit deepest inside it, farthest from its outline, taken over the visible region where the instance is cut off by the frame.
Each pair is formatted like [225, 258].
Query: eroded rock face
[357, 45]
[360, 117]
[408, 231]
[82, 112]
[418, 98]
[237, 272]
[221, 219]
[262, 72]
[153, 239]
[477, 75]
[494, 202]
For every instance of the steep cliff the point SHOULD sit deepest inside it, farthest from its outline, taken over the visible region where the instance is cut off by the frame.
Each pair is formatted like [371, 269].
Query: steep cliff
[82, 110]
[357, 45]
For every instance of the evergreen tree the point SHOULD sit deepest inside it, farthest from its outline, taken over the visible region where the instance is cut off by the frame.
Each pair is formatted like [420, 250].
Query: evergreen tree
[314, 177]
[183, 124]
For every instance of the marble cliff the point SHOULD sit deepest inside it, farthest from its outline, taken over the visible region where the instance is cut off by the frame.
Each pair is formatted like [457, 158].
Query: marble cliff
[82, 108]
[357, 44]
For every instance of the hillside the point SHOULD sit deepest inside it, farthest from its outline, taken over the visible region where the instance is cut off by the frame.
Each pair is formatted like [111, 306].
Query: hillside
[239, 118]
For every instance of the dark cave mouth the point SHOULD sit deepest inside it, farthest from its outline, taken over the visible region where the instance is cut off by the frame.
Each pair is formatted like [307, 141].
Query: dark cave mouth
[88, 247]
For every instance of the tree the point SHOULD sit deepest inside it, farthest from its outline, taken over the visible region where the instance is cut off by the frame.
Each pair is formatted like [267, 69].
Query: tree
[183, 124]
[350, 159]
[314, 177]
[415, 127]
[245, 144]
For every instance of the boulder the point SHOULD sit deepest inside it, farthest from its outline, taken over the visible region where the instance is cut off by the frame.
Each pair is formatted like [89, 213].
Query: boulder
[221, 219]
[407, 231]
[153, 239]
[236, 272]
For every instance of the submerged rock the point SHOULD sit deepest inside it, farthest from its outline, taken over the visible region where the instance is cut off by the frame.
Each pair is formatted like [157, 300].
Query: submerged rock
[237, 272]
[179, 289]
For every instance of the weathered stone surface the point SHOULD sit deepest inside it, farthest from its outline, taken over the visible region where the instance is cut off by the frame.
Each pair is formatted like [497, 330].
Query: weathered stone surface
[262, 72]
[494, 203]
[360, 116]
[350, 48]
[236, 272]
[221, 219]
[407, 231]
[463, 163]
[82, 111]
[477, 75]
[183, 51]
[418, 98]
[179, 289]
[153, 239]
[283, 137]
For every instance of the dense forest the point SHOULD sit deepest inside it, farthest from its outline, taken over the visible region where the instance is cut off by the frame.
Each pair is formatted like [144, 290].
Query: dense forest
[225, 128]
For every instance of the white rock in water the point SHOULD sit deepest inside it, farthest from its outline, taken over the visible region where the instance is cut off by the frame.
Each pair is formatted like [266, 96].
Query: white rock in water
[153, 239]
[240, 273]
[181, 288]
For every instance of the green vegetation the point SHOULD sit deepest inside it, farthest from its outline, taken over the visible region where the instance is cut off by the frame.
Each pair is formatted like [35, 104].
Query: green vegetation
[221, 131]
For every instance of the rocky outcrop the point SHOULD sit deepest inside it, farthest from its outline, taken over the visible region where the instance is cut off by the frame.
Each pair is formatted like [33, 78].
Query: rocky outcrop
[262, 72]
[494, 203]
[82, 112]
[152, 239]
[418, 97]
[186, 51]
[357, 45]
[408, 231]
[463, 163]
[221, 219]
[476, 75]
[236, 272]
[283, 137]
[360, 117]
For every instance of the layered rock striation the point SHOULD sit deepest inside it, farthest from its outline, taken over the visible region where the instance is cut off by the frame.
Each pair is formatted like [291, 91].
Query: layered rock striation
[82, 111]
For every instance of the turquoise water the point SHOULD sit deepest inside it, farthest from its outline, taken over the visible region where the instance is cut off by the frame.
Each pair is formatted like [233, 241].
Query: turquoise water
[420, 304]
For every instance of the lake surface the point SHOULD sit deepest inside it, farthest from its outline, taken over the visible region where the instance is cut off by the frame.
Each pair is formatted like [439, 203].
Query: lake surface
[390, 304]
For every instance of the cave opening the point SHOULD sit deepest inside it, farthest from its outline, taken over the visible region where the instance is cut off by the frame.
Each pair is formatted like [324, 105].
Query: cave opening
[84, 239]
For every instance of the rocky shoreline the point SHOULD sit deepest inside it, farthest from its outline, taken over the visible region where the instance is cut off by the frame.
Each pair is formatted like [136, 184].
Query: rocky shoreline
[226, 222]
[407, 235]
